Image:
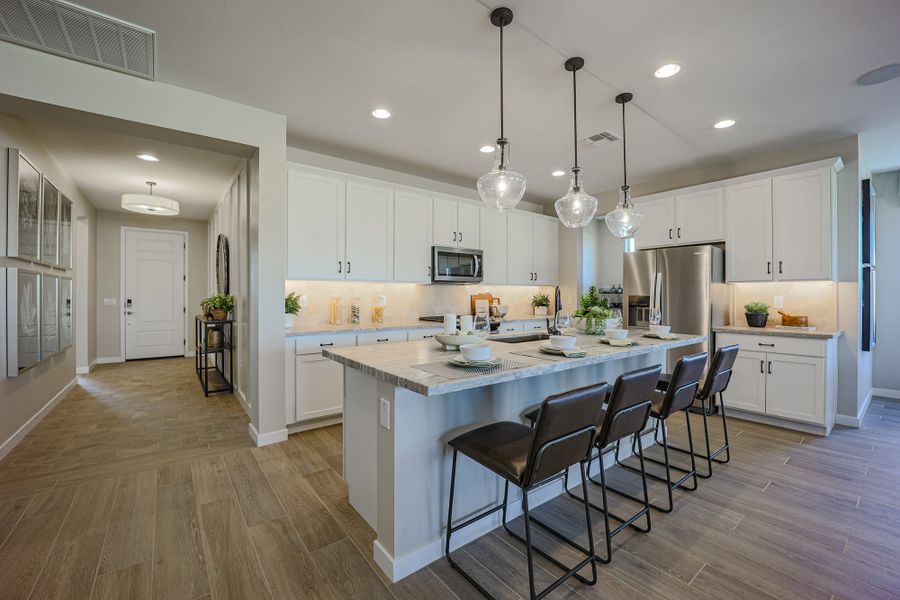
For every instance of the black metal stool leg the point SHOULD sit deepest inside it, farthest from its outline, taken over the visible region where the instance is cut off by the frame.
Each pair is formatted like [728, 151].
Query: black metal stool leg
[625, 521]
[710, 456]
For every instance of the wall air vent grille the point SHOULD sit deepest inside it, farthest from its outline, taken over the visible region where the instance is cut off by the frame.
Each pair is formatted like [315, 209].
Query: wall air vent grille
[78, 33]
[603, 138]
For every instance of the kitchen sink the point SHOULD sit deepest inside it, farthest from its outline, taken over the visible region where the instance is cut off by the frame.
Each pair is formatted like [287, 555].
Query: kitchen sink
[519, 339]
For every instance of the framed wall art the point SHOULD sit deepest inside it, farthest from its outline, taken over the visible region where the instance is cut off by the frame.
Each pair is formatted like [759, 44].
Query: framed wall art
[49, 223]
[65, 312]
[49, 315]
[65, 232]
[23, 233]
[23, 320]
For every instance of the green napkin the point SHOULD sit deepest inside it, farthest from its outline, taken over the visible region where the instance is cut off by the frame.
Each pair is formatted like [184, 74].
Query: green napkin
[574, 353]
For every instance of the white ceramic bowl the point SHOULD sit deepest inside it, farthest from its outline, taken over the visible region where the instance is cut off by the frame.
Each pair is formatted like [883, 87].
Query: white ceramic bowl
[475, 351]
[454, 341]
[616, 334]
[660, 329]
[563, 342]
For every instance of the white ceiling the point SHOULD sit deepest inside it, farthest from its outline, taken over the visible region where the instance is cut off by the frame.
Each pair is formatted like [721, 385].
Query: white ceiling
[784, 70]
[104, 166]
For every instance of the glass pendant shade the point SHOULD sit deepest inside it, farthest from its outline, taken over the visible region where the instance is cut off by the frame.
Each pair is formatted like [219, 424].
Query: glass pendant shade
[501, 189]
[577, 208]
[624, 219]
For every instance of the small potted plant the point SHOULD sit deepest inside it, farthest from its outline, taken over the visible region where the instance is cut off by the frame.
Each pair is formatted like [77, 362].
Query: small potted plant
[218, 306]
[593, 312]
[540, 302]
[291, 309]
[756, 313]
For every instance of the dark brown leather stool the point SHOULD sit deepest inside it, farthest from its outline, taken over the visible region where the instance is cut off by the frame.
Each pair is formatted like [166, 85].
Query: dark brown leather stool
[715, 384]
[527, 457]
[678, 397]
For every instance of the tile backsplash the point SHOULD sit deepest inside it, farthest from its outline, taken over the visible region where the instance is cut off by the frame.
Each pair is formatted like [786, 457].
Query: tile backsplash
[815, 299]
[406, 301]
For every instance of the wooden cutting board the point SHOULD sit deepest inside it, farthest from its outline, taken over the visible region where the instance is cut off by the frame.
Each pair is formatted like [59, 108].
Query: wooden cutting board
[790, 320]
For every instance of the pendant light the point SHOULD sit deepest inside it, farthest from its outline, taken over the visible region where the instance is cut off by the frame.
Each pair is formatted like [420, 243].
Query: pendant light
[577, 208]
[150, 204]
[501, 189]
[624, 219]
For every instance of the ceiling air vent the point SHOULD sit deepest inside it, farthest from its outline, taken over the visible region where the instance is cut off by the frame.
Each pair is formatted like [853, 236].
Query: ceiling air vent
[75, 32]
[599, 139]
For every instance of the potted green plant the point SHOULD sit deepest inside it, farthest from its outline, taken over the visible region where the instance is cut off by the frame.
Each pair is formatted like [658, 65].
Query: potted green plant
[218, 306]
[756, 313]
[291, 309]
[540, 302]
[593, 311]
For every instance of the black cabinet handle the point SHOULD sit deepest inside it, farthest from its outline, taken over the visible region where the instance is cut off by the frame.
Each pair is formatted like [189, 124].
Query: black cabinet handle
[383, 340]
[460, 236]
[769, 268]
[770, 367]
[426, 337]
[780, 266]
[348, 267]
[761, 366]
[454, 236]
[670, 233]
[340, 266]
[328, 344]
[769, 345]
[679, 233]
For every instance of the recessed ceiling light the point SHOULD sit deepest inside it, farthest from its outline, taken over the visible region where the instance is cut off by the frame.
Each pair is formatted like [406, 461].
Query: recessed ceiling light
[148, 157]
[724, 124]
[381, 113]
[487, 149]
[667, 71]
[558, 173]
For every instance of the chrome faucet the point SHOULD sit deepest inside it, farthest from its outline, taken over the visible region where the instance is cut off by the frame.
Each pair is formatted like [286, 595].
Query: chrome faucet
[554, 330]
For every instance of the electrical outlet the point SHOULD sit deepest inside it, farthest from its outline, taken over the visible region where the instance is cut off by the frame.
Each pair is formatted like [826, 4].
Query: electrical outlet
[304, 301]
[778, 301]
[384, 416]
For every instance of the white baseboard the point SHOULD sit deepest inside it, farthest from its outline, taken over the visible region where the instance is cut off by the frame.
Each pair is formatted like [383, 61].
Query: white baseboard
[886, 393]
[270, 437]
[318, 423]
[851, 421]
[13, 440]
[87, 369]
[106, 360]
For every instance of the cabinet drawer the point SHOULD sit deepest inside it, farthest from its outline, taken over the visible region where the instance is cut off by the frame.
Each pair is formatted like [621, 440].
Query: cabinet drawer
[382, 337]
[536, 325]
[773, 344]
[424, 334]
[313, 344]
[512, 327]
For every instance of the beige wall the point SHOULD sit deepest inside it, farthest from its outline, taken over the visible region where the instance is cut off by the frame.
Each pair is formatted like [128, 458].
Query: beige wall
[109, 227]
[24, 396]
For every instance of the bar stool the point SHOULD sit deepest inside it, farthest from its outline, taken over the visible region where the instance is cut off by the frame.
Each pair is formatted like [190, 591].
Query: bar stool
[678, 397]
[563, 436]
[717, 378]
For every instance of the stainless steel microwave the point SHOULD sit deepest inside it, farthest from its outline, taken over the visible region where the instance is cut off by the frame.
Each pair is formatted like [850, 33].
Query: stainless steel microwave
[456, 265]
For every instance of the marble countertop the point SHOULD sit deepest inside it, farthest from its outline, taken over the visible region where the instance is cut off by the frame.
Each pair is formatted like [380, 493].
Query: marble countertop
[320, 328]
[818, 334]
[395, 363]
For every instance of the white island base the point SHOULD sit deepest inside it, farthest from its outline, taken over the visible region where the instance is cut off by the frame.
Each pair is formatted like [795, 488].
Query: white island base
[396, 459]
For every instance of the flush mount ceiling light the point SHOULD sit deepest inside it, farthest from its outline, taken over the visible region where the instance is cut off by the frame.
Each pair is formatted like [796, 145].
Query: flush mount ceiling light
[149, 204]
[624, 219]
[486, 149]
[577, 208]
[148, 157]
[667, 71]
[724, 124]
[381, 113]
[880, 75]
[558, 173]
[501, 189]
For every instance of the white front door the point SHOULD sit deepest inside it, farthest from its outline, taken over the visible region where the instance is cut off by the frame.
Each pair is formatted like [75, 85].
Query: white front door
[154, 294]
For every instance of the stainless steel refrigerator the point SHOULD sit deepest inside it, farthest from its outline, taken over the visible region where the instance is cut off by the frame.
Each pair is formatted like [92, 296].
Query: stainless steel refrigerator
[692, 295]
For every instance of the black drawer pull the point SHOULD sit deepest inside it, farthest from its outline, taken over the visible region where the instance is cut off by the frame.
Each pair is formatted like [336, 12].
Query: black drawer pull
[425, 337]
[769, 345]
[328, 344]
[383, 340]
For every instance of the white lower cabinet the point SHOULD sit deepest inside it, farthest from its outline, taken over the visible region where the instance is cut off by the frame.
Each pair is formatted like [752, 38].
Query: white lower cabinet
[511, 327]
[320, 387]
[382, 337]
[784, 377]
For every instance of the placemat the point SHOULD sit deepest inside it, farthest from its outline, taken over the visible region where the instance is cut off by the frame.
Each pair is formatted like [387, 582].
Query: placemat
[594, 351]
[449, 371]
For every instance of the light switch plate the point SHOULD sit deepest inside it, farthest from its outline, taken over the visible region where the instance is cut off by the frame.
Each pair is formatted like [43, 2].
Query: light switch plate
[384, 414]
[778, 301]
[109, 302]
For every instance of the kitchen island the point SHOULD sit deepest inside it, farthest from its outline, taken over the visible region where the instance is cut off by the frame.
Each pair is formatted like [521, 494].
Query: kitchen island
[403, 402]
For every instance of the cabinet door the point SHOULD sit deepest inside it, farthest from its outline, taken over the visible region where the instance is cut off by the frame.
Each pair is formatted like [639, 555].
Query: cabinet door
[546, 250]
[319, 387]
[290, 381]
[467, 226]
[315, 226]
[747, 388]
[795, 388]
[445, 219]
[370, 232]
[748, 231]
[658, 227]
[700, 217]
[493, 245]
[802, 225]
[520, 248]
[412, 237]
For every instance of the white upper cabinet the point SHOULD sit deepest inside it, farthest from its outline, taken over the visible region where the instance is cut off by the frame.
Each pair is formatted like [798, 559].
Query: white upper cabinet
[546, 250]
[494, 245]
[315, 234]
[412, 237]
[802, 209]
[658, 227]
[700, 216]
[456, 223]
[468, 225]
[370, 232]
[748, 231]
[520, 248]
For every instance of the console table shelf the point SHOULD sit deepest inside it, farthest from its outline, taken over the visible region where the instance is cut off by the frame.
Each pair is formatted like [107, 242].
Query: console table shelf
[221, 367]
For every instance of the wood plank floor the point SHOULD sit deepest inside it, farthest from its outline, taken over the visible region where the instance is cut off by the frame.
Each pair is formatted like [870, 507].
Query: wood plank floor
[136, 486]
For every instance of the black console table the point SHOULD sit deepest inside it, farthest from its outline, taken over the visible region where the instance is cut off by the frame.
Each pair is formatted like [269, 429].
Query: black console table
[214, 338]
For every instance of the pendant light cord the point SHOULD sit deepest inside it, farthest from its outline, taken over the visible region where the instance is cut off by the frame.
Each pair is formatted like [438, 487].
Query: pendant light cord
[575, 115]
[501, 80]
[624, 151]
